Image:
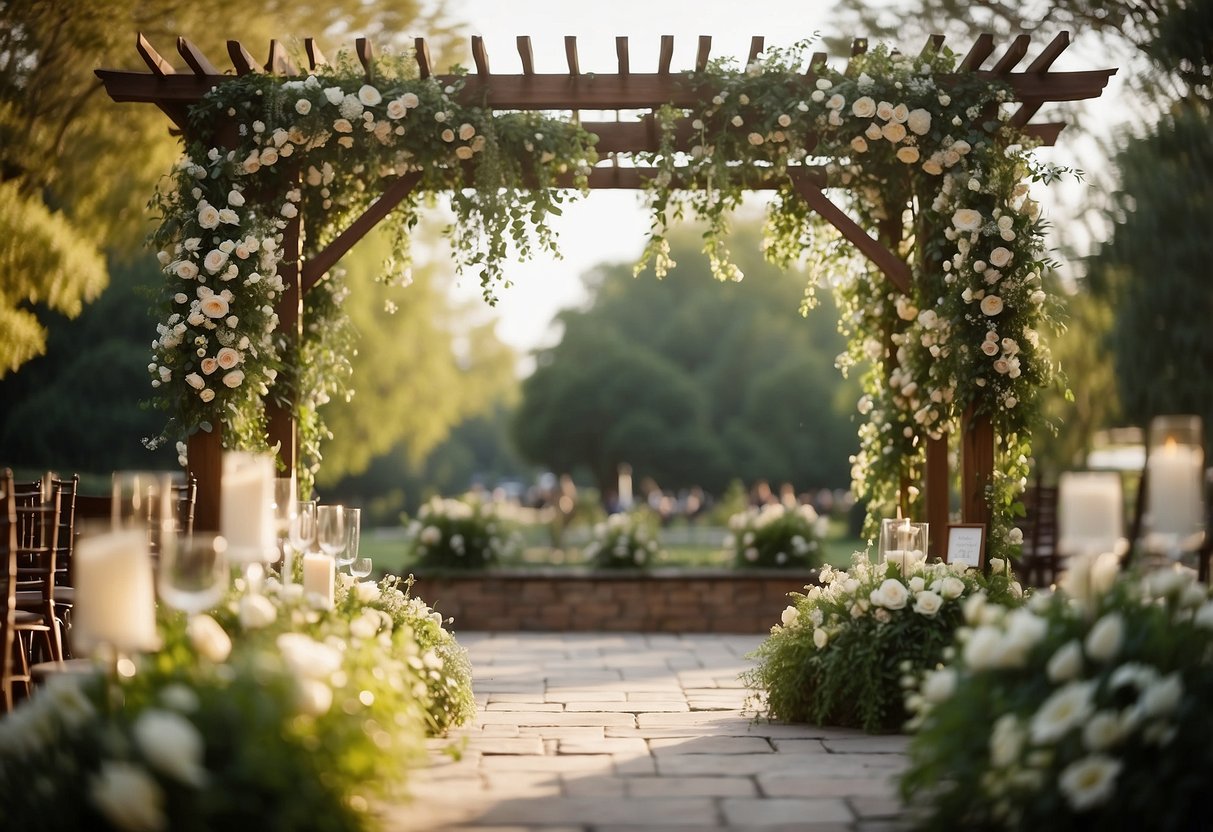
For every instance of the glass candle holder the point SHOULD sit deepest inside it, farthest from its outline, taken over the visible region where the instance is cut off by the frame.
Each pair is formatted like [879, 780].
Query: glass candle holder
[1175, 501]
[1090, 512]
[903, 542]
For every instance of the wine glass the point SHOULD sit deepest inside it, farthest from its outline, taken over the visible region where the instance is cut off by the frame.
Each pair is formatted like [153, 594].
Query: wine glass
[360, 567]
[330, 529]
[303, 526]
[353, 525]
[193, 573]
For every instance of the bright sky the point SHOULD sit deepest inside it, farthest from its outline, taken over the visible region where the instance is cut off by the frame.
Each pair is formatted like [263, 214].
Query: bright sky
[607, 225]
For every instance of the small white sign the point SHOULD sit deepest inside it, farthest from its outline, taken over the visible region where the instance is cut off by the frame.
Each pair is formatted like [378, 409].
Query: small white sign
[966, 545]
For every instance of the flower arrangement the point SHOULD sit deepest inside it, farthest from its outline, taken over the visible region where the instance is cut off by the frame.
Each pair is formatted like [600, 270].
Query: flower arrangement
[1086, 709]
[268, 705]
[935, 168]
[776, 536]
[623, 541]
[312, 146]
[843, 648]
[454, 534]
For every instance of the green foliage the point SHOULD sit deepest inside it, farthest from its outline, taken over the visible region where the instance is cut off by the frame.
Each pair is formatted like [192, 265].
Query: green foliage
[453, 534]
[691, 382]
[844, 647]
[624, 541]
[1086, 710]
[776, 536]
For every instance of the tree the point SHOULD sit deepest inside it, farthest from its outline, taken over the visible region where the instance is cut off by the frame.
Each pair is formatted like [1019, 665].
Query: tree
[693, 382]
[73, 177]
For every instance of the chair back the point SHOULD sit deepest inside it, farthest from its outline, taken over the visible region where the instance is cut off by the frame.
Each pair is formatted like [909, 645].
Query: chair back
[8, 586]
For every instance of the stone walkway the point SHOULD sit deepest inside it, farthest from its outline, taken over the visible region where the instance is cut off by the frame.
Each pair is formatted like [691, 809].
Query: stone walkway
[610, 732]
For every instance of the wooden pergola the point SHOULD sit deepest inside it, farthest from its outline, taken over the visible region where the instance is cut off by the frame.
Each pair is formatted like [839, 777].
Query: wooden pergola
[174, 90]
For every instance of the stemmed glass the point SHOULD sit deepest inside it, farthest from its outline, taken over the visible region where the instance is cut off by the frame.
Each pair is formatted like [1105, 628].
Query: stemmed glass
[303, 527]
[330, 529]
[285, 510]
[193, 573]
[360, 567]
[353, 524]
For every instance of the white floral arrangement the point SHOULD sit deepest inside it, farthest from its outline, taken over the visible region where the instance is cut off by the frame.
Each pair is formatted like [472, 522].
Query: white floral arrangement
[460, 534]
[627, 540]
[1086, 709]
[776, 536]
[845, 648]
[224, 723]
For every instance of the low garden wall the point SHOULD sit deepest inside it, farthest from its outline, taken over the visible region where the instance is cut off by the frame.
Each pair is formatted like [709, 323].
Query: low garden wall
[673, 601]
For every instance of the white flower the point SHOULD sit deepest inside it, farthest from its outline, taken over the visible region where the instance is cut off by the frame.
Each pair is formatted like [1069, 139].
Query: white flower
[227, 215]
[315, 697]
[1089, 782]
[892, 594]
[257, 612]
[368, 95]
[186, 270]
[342, 125]
[966, 219]
[927, 603]
[409, 100]
[227, 358]
[234, 379]
[194, 380]
[1067, 708]
[1006, 741]
[172, 745]
[901, 113]
[999, 257]
[820, 638]
[215, 260]
[1104, 640]
[466, 131]
[789, 616]
[873, 132]
[209, 639]
[1066, 664]
[308, 658]
[128, 797]
[908, 155]
[939, 685]
[859, 145]
[893, 131]
[1162, 697]
[366, 591]
[836, 102]
[214, 306]
[755, 139]
[864, 107]
[919, 122]
[208, 215]
[1102, 731]
[206, 395]
[430, 535]
[303, 106]
[991, 305]
[989, 348]
[998, 565]
[951, 587]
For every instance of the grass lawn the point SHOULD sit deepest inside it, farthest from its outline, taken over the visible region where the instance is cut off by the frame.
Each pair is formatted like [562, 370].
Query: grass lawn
[386, 548]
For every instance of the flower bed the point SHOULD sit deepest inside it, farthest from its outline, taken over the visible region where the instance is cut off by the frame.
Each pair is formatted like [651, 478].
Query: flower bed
[776, 536]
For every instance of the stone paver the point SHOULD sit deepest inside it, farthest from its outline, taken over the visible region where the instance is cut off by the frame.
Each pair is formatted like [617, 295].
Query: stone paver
[628, 732]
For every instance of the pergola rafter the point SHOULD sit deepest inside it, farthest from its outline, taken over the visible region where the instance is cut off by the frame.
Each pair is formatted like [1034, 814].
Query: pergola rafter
[174, 92]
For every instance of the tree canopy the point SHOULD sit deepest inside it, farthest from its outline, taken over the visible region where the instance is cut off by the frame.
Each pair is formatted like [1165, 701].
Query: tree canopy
[693, 382]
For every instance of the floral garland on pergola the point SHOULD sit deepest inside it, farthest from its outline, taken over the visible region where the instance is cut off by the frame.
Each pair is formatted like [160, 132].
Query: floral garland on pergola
[939, 171]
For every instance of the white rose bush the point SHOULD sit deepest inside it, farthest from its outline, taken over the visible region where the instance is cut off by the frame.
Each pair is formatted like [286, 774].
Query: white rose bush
[627, 540]
[776, 537]
[460, 535]
[844, 649]
[265, 707]
[1086, 709]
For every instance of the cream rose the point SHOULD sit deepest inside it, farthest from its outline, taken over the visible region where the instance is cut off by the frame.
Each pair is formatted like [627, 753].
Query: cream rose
[186, 270]
[864, 107]
[234, 379]
[909, 155]
[409, 100]
[396, 109]
[859, 144]
[900, 113]
[894, 132]
[369, 96]
[873, 131]
[892, 594]
[966, 219]
[927, 603]
[884, 111]
[207, 395]
[464, 153]
[466, 131]
[951, 587]
[820, 638]
[932, 167]
[999, 257]
[194, 380]
[1104, 640]
[208, 215]
[991, 305]
[256, 611]
[919, 122]
[214, 260]
[789, 616]
[836, 102]
[208, 366]
[214, 306]
[342, 125]
[303, 106]
[448, 135]
[227, 358]
[989, 348]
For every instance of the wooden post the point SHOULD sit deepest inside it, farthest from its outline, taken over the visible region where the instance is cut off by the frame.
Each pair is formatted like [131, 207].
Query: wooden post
[282, 429]
[937, 497]
[205, 452]
[977, 466]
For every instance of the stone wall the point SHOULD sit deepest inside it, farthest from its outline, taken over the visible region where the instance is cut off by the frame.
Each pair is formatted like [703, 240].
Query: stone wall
[682, 601]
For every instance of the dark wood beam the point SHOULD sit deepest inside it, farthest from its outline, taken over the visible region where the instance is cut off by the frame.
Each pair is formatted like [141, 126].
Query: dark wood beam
[1041, 64]
[666, 56]
[480, 56]
[570, 54]
[524, 53]
[978, 52]
[366, 56]
[315, 58]
[1014, 54]
[757, 42]
[932, 46]
[977, 466]
[322, 261]
[242, 59]
[152, 58]
[280, 63]
[194, 58]
[894, 268]
[702, 52]
[621, 52]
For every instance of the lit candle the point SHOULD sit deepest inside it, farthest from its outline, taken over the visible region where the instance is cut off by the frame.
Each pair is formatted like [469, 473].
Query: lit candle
[1174, 494]
[1089, 513]
[246, 508]
[115, 600]
[319, 573]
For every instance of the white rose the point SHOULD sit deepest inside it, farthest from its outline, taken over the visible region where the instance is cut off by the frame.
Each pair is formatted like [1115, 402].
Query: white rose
[927, 603]
[999, 257]
[1104, 640]
[186, 270]
[172, 745]
[789, 616]
[396, 109]
[1102, 731]
[917, 584]
[303, 106]
[227, 358]
[269, 156]
[892, 594]
[342, 125]
[901, 113]
[227, 215]
[208, 639]
[206, 395]
[908, 155]
[464, 153]
[234, 379]
[820, 638]
[466, 131]
[366, 591]
[1162, 697]
[893, 131]
[369, 96]
[990, 348]
[873, 132]
[194, 380]
[335, 95]
[1066, 664]
[208, 215]
[919, 122]
[410, 100]
[864, 107]
[128, 797]
[214, 306]
[884, 111]
[939, 685]
[991, 305]
[966, 219]
[214, 261]
[951, 587]
[836, 102]
[208, 366]
[256, 611]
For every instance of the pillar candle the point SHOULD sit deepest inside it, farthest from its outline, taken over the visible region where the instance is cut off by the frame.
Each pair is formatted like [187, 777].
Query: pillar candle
[1174, 493]
[319, 573]
[1089, 513]
[115, 599]
[246, 508]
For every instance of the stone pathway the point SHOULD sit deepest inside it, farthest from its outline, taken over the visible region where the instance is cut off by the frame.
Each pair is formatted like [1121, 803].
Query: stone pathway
[610, 732]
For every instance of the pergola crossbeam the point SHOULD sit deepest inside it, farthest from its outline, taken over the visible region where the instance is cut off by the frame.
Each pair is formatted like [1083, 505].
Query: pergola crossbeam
[194, 58]
[480, 55]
